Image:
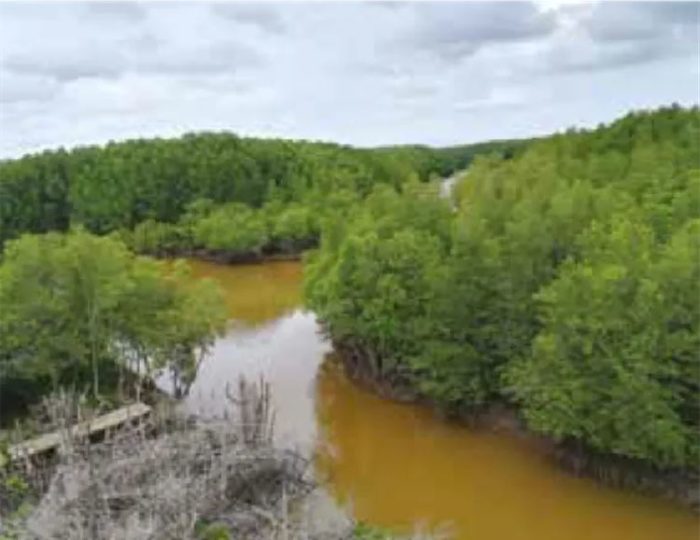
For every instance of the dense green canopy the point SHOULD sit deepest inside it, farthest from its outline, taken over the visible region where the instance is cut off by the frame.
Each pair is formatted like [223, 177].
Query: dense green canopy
[123, 184]
[567, 282]
[78, 310]
[563, 276]
[75, 308]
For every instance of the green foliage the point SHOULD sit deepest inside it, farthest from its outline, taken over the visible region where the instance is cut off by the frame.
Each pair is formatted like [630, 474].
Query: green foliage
[120, 185]
[233, 227]
[363, 531]
[16, 484]
[212, 531]
[34, 193]
[615, 363]
[75, 308]
[158, 238]
[567, 281]
[13, 523]
[293, 228]
[373, 288]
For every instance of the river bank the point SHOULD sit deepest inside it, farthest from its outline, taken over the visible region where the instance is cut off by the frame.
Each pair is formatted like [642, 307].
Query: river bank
[227, 257]
[620, 472]
[231, 257]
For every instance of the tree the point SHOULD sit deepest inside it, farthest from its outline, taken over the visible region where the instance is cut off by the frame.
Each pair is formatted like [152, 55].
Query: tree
[615, 363]
[234, 228]
[157, 238]
[292, 228]
[120, 185]
[77, 304]
[566, 282]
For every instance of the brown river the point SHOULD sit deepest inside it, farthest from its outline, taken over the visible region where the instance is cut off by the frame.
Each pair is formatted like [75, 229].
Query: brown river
[396, 465]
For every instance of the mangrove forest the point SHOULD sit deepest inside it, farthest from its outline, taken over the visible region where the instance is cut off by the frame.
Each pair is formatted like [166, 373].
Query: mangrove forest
[402, 301]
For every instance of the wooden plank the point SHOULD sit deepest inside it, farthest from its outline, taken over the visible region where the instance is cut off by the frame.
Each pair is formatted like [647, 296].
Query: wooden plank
[50, 441]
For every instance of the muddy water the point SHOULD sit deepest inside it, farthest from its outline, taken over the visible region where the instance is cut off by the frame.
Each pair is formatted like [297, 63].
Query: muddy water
[396, 465]
[268, 335]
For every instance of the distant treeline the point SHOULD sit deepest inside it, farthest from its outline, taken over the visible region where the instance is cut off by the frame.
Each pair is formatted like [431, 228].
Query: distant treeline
[567, 283]
[120, 185]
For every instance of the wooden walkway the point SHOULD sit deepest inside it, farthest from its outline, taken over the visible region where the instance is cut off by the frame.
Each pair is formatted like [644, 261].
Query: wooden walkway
[53, 441]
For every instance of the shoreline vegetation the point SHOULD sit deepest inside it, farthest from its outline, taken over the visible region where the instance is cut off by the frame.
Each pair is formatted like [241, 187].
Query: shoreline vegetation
[260, 186]
[71, 221]
[85, 313]
[224, 257]
[561, 282]
[565, 287]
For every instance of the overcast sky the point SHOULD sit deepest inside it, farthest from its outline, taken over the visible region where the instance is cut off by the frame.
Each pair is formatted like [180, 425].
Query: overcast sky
[358, 73]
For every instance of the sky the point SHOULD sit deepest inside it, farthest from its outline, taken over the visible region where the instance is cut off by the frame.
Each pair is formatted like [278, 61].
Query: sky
[361, 73]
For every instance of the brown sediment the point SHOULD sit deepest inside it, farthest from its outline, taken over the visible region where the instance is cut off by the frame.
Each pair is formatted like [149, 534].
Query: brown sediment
[681, 485]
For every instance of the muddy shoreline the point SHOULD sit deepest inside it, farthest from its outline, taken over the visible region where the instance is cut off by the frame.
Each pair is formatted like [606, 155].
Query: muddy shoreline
[224, 257]
[228, 257]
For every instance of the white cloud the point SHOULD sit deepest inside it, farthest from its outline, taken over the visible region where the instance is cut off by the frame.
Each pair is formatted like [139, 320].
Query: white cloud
[16, 87]
[354, 72]
[453, 30]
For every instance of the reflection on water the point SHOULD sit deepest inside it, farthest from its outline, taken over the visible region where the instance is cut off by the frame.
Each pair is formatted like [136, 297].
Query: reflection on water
[287, 352]
[396, 464]
[268, 335]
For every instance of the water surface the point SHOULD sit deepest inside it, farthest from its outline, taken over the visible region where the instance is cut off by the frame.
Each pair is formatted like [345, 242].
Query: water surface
[397, 465]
